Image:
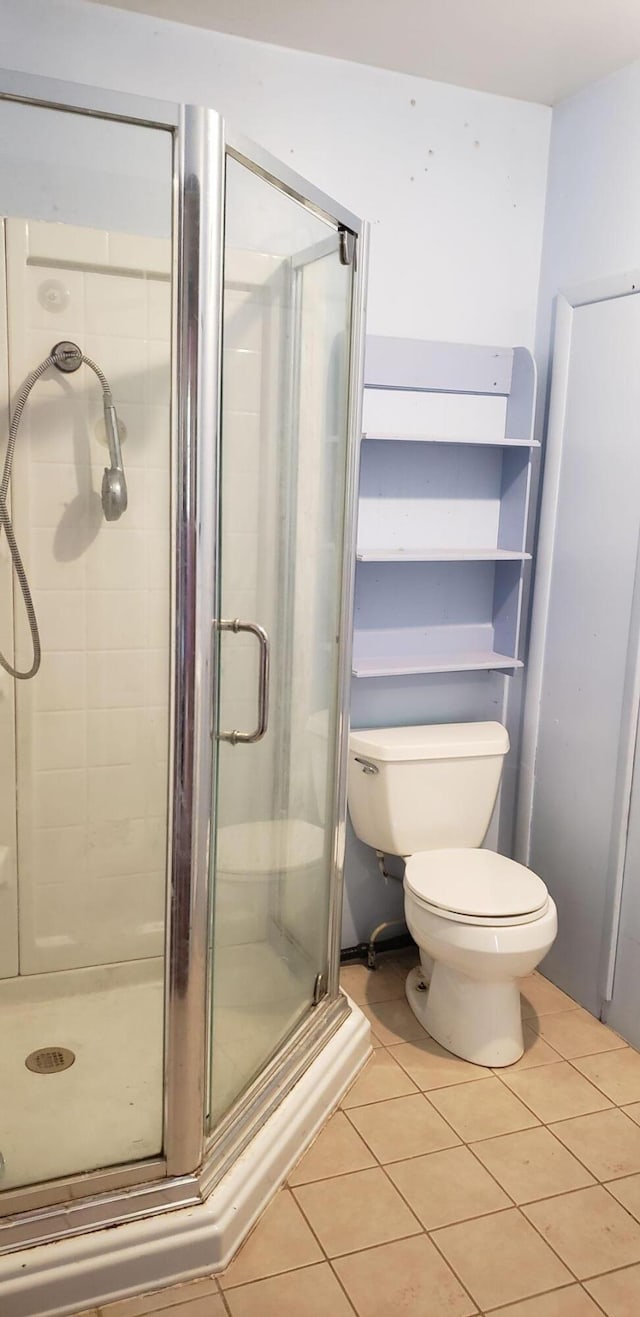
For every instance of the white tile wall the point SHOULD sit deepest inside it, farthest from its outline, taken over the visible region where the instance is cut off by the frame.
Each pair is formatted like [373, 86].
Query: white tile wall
[8, 838]
[93, 726]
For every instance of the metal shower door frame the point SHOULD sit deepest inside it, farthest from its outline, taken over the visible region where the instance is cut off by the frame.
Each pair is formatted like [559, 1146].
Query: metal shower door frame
[191, 1166]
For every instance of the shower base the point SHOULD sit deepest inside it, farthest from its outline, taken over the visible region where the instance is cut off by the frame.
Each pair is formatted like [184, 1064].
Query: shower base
[106, 1107]
[85, 1271]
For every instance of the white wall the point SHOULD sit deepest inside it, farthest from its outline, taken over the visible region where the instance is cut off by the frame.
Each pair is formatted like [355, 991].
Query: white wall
[592, 221]
[453, 182]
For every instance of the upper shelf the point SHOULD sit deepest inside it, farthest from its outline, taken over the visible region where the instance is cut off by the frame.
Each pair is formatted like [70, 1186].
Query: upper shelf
[414, 665]
[495, 441]
[441, 555]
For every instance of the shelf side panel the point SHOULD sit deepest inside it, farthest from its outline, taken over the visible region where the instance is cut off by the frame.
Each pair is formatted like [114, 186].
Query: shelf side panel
[514, 496]
[520, 403]
[506, 603]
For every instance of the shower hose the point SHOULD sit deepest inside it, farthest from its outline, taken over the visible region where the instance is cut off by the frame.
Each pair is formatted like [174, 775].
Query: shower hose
[5, 519]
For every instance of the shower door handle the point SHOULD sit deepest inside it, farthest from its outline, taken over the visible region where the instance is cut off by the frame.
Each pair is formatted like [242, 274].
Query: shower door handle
[249, 738]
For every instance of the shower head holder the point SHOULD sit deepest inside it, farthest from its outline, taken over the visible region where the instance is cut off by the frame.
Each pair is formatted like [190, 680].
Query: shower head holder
[66, 356]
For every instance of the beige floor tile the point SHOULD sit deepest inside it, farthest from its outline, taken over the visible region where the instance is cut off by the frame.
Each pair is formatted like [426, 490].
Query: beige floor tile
[556, 1092]
[570, 1302]
[616, 1073]
[608, 1142]
[211, 1306]
[576, 1033]
[532, 1164]
[313, 1290]
[536, 1052]
[355, 1211]
[540, 997]
[431, 1066]
[446, 1187]
[482, 1110]
[382, 1078]
[618, 1293]
[627, 1192]
[166, 1300]
[365, 985]
[500, 1258]
[336, 1151]
[633, 1111]
[589, 1230]
[406, 1279]
[281, 1241]
[403, 1127]
[393, 1021]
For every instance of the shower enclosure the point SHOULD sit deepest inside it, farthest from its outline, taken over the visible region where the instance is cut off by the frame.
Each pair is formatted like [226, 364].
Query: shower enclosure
[172, 778]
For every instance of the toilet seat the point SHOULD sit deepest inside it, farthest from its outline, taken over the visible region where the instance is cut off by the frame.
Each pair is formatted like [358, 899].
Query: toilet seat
[475, 887]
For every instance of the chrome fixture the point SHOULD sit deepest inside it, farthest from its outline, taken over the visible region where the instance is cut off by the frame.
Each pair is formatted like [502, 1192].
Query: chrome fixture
[66, 357]
[249, 738]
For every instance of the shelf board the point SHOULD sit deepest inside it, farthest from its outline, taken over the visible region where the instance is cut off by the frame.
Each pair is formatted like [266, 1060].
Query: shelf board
[441, 555]
[415, 665]
[495, 441]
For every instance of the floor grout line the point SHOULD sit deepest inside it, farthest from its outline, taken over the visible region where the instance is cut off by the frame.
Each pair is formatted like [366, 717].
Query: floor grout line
[429, 1237]
[470, 1145]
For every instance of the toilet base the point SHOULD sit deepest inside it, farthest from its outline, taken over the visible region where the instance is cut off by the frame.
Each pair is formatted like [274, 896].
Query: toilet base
[475, 1020]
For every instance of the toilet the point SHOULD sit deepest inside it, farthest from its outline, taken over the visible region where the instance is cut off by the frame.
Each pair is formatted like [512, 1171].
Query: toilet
[481, 921]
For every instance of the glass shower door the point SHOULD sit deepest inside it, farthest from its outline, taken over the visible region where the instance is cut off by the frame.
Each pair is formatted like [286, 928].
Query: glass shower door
[286, 335]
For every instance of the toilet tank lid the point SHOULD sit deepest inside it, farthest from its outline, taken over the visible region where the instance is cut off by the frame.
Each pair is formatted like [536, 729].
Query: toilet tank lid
[446, 741]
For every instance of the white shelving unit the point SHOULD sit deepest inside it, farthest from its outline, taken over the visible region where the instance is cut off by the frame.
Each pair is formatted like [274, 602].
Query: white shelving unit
[444, 494]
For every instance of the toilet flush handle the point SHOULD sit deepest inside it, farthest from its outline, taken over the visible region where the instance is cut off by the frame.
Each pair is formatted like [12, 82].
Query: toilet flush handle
[367, 767]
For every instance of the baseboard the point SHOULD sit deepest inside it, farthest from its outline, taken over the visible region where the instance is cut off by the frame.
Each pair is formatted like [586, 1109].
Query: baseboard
[360, 952]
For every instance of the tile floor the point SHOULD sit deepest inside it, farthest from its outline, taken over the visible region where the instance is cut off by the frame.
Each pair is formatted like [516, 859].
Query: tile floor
[442, 1189]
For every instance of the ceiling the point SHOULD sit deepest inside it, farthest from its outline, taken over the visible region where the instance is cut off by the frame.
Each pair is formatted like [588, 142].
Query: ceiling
[535, 50]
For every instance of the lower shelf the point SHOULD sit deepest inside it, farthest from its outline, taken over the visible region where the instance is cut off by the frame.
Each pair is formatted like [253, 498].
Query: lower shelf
[408, 665]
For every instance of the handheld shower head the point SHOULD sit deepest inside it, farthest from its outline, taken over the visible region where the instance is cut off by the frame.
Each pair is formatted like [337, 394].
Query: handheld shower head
[68, 357]
[114, 485]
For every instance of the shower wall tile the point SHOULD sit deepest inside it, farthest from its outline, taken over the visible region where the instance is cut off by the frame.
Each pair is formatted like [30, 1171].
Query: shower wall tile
[50, 296]
[116, 678]
[62, 615]
[60, 854]
[8, 801]
[117, 619]
[59, 797]
[61, 685]
[54, 241]
[123, 360]
[242, 380]
[52, 484]
[93, 727]
[117, 305]
[133, 252]
[59, 740]
[159, 310]
[115, 794]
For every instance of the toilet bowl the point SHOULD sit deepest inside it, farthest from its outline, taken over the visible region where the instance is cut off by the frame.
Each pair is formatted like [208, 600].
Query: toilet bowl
[481, 921]
[503, 921]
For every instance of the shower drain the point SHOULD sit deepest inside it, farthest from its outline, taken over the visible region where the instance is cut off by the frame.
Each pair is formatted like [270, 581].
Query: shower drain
[49, 1060]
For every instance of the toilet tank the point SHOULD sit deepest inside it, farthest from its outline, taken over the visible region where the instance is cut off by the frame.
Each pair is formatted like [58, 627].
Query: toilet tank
[424, 788]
